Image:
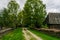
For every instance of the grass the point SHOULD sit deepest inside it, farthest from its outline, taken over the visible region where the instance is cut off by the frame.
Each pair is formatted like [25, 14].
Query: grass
[14, 35]
[44, 36]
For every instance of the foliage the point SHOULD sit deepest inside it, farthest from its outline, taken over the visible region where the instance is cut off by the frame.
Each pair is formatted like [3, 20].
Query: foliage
[32, 15]
[13, 7]
[8, 16]
[20, 18]
[35, 12]
[4, 18]
[16, 34]
[45, 26]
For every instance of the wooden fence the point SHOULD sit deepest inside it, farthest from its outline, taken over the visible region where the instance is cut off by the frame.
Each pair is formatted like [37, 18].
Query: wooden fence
[53, 32]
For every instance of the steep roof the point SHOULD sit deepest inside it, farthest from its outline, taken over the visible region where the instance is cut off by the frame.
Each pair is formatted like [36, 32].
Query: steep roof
[54, 18]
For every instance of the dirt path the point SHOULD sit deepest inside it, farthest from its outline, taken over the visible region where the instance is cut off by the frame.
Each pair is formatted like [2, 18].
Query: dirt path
[2, 32]
[30, 36]
[27, 37]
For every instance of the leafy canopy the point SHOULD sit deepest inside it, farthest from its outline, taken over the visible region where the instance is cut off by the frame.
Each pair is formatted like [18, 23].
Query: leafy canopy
[35, 12]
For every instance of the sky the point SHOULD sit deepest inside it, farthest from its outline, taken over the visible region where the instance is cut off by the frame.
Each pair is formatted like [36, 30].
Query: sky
[51, 5]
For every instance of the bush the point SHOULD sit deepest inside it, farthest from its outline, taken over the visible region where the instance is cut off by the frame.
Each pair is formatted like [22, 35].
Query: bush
[44, 26]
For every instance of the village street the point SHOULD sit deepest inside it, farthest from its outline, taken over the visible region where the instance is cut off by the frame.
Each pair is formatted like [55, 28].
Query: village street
[30, 36]
[24, 34]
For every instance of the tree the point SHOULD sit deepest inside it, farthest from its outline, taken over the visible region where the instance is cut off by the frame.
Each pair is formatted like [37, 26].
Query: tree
[13, 7]
[8, 16]
[12, 21]
[4, 18]
[1, 22]
[35, 12]
[20, 14]
[21, 18]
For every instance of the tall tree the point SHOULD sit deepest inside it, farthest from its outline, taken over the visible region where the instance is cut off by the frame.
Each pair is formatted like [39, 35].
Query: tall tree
[8, 17]
[13, 7]
[4, 18]
[35, 12]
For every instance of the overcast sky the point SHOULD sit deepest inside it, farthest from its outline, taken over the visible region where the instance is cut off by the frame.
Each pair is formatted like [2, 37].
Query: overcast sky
[51, 5]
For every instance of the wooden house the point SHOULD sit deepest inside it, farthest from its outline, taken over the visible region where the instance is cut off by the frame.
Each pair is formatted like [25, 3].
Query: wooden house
[53, 20]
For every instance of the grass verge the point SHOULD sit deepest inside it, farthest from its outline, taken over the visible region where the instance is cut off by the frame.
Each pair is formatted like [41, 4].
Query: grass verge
[44, 36]
[14, 35]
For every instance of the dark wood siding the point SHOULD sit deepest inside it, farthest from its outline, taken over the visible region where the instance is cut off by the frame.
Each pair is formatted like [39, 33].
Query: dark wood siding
[53, 20]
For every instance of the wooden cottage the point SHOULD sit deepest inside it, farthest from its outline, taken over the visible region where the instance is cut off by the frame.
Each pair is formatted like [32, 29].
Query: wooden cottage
[53, 20]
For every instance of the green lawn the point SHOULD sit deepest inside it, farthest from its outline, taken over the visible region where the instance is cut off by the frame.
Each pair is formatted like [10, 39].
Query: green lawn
[14, 35]
[44, 36]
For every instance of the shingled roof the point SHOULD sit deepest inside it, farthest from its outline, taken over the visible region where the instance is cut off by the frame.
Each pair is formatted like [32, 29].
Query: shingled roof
[53, 18]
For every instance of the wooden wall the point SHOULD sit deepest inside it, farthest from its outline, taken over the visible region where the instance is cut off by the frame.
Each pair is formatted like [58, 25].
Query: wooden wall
[54, 26]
